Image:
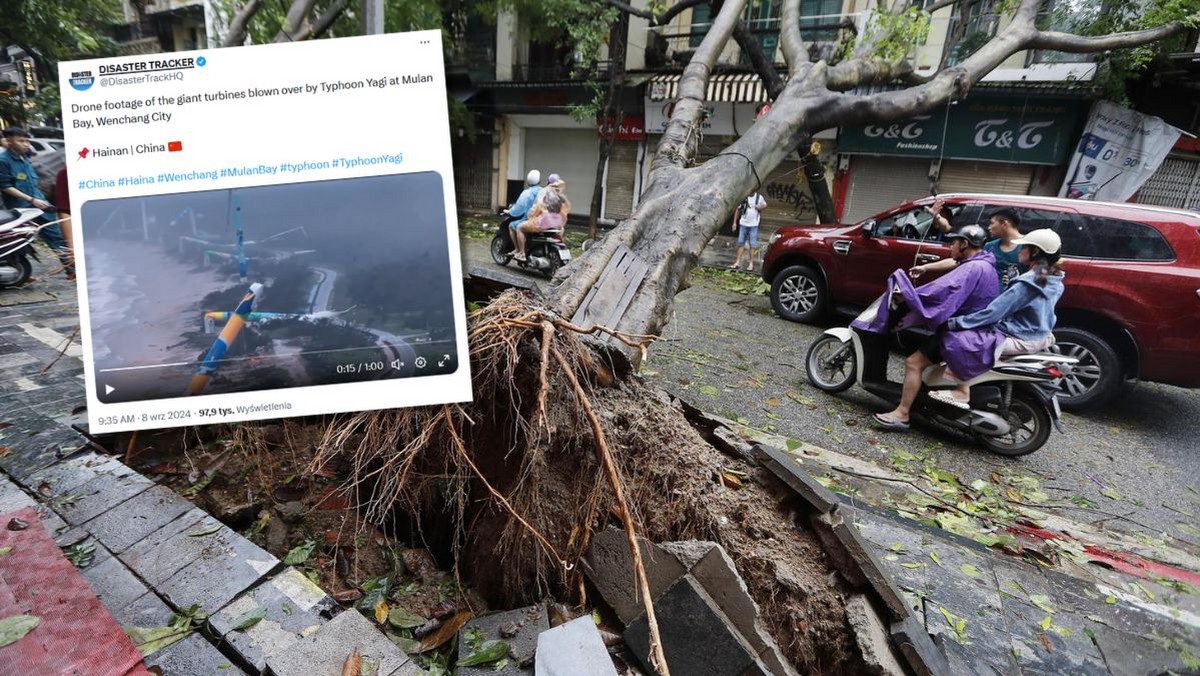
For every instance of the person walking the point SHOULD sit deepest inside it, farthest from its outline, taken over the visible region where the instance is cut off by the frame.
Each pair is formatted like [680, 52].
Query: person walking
[747, 218]
[19, 190]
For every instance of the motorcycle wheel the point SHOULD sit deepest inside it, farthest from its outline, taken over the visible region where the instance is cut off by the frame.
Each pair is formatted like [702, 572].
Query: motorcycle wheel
[21, 263]
[499, 255]
[831, 365]
[1030, 428]
[555, 264]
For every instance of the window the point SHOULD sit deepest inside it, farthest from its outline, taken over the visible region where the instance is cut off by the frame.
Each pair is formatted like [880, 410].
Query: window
[915, 223]
[1115, 239]
[819, 20]
[1036, 219]
[1076, 239]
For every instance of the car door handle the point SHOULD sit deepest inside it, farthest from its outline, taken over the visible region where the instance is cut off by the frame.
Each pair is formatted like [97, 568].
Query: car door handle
[842, 246]
[923, 258]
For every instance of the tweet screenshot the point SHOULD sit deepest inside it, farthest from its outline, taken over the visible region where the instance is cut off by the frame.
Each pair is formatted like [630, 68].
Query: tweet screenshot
[265, 231]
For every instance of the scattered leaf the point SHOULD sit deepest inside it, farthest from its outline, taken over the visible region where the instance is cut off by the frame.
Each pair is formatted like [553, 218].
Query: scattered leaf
[13, 629]
[1110, 493]
[249, 619]
[773, 402]
[970, 570]
[709, 390]
[1042, 601]
[150, 640]
[792, 444]
[489, 651]
[81, 554]
[373, 591]
[897, 547]
[382, 611]
[1045, 623]
[5, 551]
[934, 556]
[1110, 600]
[207, 531]
[287, 609]
[445, 632]
[300, 553]
[1045, 643]
[948, 616]
[353, 664]
[913, 565]
[403, 618]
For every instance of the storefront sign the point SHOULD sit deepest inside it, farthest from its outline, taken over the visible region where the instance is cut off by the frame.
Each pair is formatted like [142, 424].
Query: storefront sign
[632, 128]
[1028, 131]
[1119, 150]
[724, 118]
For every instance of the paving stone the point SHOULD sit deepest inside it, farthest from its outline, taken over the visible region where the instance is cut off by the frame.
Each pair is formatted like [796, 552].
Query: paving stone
[1127, 654]
[66, 475]
[124, 525]
[528, 623]
[975, 598]
[12, 497]
[609, 565]
[34, 442]
[224, 565]
[324, 652]
[293, 605]
[98, 496]
[193, 656]
[872, 636]
[855, 559]
[572, 649]
[783, 465]
[922, 656]
[719, 577]
[167, 550]
[115, 584]
[697, 638]
[147, 610]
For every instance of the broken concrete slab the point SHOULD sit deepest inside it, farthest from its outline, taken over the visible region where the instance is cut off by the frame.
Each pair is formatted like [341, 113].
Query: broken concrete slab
[34, 442]
[114, 584]
[98, 496]
[855, 560]
[818, 498]
[871, 634]
[718, 575]
[292, 607]
[697, 638]
[325, 651]
[609, 565]
[518, 628]
[124, 525]
[193, 656]
[922, 656]
[573, 649]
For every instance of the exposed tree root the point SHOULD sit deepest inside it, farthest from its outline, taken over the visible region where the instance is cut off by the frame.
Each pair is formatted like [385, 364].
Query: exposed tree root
[515, 483]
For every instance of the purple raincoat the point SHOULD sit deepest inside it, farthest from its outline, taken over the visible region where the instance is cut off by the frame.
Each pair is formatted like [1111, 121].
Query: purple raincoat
[968, 288]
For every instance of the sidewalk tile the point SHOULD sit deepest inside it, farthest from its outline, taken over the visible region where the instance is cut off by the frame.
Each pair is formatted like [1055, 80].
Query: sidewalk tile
[99, 495]
[325, 651]
[193, 656]
[221, 566]
[124, 525]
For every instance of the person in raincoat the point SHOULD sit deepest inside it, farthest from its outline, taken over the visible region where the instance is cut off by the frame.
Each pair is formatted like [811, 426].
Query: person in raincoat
[970, 287]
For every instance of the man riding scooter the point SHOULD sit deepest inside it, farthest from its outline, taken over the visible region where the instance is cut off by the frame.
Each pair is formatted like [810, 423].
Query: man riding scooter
[525, 201]
[970, 287]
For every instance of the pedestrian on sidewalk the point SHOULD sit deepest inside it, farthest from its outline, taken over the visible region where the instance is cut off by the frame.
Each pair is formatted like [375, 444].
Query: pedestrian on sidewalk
[746, 220]
[19, 190]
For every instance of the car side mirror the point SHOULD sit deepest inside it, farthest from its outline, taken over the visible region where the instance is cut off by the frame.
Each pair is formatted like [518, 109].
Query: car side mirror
[868, 229]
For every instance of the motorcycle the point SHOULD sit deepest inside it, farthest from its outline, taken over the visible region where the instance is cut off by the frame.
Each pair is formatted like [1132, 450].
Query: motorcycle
[545, 251]
[1011, 408]
[17, 233]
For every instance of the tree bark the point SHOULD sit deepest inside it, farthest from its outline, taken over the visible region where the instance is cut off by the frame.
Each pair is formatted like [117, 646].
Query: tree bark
[294, 22]
[237, 27]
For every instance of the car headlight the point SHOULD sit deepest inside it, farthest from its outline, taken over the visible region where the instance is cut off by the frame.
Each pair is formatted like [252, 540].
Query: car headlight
[774, 238]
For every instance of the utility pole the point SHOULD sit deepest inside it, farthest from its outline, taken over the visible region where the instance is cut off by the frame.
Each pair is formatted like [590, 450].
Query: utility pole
[372, 17]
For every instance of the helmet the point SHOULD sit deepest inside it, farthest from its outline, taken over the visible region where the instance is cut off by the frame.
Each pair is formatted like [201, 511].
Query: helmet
[974, 235]
[533, 177]
[554, 179]
[1045, 239]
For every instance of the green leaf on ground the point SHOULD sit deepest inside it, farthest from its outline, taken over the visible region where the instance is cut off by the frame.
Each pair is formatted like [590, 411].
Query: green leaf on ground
[914, 565]
[1110, 493]
[403, 618]
[150, 640]
[1045, 623]
[792, 444]
[249, 619]
[207, 531]
[897, 547]
[934, 556]
[970, 570]
[488, 652]
[300, 553]
[987, 539]
[949, 617]
[891, 557]
[1110, 600]
[5, 551]
[13, 629]
[1042, 601]
[374, 591]
[708, 390]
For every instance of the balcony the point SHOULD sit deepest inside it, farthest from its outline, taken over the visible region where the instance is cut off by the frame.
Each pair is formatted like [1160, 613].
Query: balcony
[557, 72]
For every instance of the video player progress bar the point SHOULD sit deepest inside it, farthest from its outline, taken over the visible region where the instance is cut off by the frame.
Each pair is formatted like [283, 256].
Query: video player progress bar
[274, 356]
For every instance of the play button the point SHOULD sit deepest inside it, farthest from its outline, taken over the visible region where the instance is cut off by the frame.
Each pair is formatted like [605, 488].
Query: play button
[108, 389]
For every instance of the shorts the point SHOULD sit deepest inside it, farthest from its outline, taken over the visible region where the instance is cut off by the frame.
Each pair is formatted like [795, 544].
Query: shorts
[931, 347]
[748, 236]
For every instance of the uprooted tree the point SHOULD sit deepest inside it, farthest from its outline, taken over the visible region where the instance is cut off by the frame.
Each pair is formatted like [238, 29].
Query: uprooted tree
[561, 439]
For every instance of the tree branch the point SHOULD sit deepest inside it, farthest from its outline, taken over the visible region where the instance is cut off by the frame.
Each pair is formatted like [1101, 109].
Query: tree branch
[655, 19]
[862, 72]
[296, 17]
[1067, 42]
[790, 39]
[942, 5]
[331, 14]
[237, 27]
[759, 60]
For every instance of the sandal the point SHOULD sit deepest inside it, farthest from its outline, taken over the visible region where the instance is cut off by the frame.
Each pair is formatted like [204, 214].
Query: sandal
[887, 422]
[947, 397]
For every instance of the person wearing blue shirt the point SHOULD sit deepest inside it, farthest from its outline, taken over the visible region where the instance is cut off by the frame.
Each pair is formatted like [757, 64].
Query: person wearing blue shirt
[19, 190]
[1022, 317]
[1002, 226]
[525, 201]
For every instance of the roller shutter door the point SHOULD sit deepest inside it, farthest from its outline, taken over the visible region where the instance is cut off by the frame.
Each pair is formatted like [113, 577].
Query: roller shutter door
[986, 177]
[1176, 184]
[570, 153]
[880, 183]
[622, 173]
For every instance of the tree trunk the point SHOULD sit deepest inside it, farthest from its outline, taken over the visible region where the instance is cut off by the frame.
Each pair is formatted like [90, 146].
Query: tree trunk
[609, 121]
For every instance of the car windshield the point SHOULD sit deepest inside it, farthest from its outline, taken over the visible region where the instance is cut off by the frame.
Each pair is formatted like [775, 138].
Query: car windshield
[914, 223]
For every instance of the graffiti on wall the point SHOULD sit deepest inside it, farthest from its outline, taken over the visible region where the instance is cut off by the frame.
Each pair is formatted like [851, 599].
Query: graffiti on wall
[793, 197]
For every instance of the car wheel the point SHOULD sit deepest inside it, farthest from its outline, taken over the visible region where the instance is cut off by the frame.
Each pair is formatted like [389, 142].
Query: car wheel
[1096, 378]
[798, 294]
[831, 364]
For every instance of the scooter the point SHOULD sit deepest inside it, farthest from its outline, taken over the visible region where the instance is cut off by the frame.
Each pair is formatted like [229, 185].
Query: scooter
[545, 251]
[1011, 409]
[17, 233]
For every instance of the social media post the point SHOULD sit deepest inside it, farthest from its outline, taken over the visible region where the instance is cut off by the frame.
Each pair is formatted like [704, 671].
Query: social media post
[232, 276]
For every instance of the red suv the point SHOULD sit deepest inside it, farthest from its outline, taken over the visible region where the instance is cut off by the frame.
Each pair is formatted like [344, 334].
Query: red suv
[1131, 309]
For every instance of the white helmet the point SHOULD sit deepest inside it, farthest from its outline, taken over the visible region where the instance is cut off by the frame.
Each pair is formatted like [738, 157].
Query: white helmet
[533, 177]
[1045, 239]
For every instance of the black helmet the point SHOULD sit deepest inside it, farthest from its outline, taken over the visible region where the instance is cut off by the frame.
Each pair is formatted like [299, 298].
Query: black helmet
[973, 234]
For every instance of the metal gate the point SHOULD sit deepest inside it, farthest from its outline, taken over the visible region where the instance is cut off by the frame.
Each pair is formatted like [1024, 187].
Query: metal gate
[879, 183]
[1175, 184]
[473, 172]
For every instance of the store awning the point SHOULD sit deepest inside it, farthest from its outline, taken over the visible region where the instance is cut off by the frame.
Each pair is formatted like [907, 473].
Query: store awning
[724, 87]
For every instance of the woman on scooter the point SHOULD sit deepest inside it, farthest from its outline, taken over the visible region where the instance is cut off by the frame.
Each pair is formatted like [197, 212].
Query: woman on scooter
[546, 214]
[1022, 318]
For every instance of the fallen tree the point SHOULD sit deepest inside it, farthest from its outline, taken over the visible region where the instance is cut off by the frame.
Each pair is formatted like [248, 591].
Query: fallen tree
[561, 438]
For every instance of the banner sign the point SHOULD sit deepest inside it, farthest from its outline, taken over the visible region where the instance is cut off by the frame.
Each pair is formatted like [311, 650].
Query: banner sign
[632, 128]
[1026, 131]
[1119, 150]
